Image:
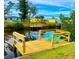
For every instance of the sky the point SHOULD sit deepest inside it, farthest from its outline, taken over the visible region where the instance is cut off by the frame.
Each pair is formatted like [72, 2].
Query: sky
[48, 8]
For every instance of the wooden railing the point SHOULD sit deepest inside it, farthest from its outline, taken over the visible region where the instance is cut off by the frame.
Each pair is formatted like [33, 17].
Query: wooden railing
[20, 37]
[65, 35]
[57, 32]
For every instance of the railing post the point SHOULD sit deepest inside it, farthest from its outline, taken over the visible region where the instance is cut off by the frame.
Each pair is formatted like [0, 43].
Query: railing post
[14, 38]
[15, 51]
[69, 37]
[14, 48]
[24, 45]
[39, 34]
[52, 41]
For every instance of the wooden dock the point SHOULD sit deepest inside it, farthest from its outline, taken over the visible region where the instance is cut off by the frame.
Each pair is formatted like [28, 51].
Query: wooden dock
[27, 47]
[33, 46]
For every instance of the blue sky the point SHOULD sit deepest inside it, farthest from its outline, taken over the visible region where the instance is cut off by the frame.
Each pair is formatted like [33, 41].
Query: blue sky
[48, 8]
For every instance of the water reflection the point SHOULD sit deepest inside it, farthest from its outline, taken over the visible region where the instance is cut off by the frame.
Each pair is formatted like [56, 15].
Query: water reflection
[8, 43]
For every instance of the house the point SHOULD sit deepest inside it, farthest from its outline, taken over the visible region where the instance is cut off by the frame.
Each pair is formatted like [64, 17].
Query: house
[14, 18]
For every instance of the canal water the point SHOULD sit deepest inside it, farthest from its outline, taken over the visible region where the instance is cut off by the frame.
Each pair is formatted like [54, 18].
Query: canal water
[33, 35]
[8, 45]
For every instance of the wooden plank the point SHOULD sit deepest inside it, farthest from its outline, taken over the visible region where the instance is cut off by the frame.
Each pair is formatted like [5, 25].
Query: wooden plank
[20, 36]
[41, 43]
[28, 50]
[19, 43]
[19, 48]
[32, 47]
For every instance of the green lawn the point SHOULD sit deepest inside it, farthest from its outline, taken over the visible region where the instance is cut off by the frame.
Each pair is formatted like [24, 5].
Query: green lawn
[64, 52]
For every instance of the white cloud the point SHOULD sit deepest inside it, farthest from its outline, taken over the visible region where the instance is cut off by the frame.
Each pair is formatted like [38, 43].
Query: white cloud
[49, 2]
[49, 14]
[44, 12]
[46, 2]
[54, 2]
[15, 12]
[14, 1]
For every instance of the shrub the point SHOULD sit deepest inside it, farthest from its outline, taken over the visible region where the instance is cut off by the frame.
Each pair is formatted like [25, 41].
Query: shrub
[18, 26]
[51, 22]
[9, 24]
[13, 25]
[68, 23]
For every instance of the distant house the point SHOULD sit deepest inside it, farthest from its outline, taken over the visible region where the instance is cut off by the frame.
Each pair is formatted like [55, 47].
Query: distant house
[59, 22]
[14, 18]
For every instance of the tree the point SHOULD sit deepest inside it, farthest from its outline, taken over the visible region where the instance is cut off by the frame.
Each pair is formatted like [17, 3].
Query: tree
[61, 16]
[40, 17]
[32, 10]
[68, 23]
[23, 8]
[72, 17]
[8, 7]
[53, 17]
[26, 9]
[42, 20]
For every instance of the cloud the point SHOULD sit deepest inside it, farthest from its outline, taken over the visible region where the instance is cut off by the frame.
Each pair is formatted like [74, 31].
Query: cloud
[50, 14]
[14, 1]
[52, 8]
[61, 6]
[46, 2]
[64, 3]
[44, 12]
[54, 2]
[49, 8]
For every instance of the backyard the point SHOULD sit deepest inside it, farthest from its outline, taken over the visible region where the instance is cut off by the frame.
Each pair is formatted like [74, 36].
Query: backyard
[30, 19]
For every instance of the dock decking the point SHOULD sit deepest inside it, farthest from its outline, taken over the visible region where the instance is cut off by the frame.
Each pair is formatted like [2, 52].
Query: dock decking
[34, 46]
[27, 47]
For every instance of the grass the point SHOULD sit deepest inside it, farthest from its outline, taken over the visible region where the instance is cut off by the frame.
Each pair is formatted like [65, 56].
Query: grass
[64, 52]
